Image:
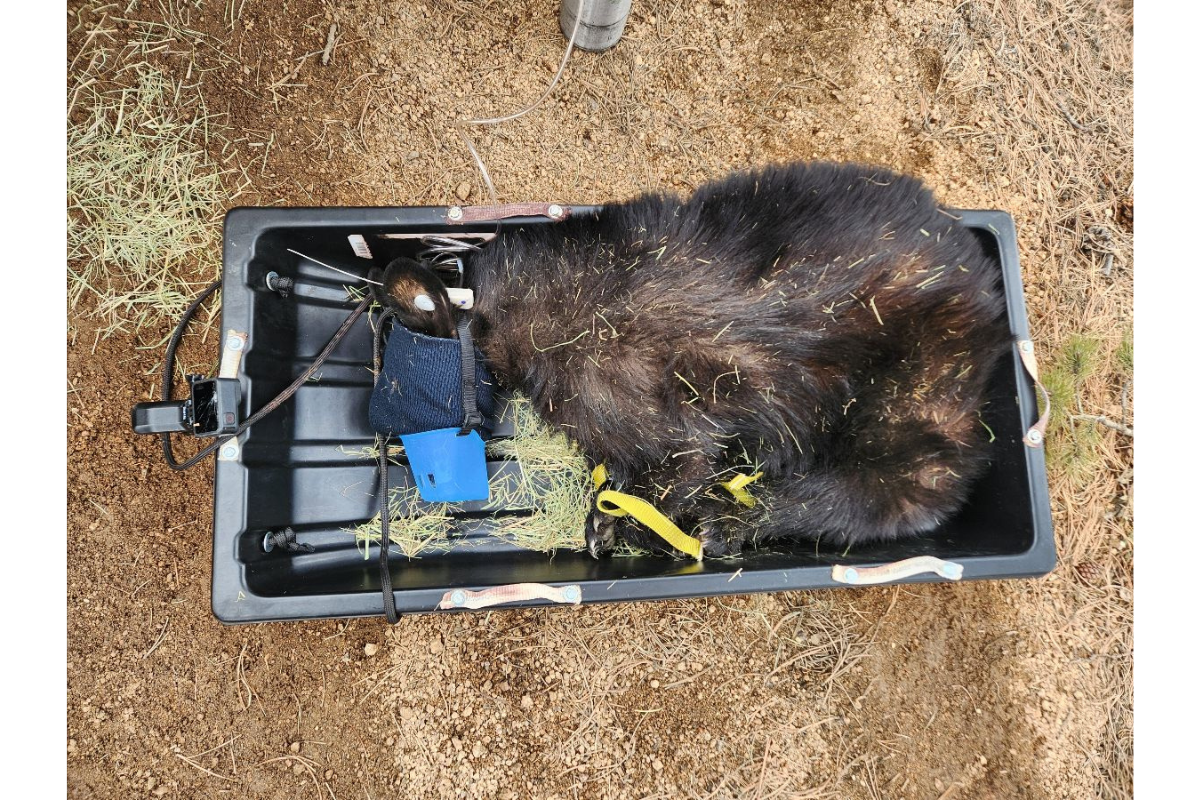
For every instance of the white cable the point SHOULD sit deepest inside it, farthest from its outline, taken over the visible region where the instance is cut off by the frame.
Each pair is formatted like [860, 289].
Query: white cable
[584, 5]
[335, 269]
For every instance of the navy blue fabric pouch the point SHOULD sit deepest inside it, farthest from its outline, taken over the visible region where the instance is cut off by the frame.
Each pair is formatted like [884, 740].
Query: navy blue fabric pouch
[420, 386]
[419, 396]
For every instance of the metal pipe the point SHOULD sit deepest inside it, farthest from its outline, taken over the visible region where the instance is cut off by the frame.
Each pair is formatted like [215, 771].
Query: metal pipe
[600, 25]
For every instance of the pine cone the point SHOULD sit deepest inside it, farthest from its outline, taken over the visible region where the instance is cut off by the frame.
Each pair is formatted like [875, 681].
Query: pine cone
[1090, 573]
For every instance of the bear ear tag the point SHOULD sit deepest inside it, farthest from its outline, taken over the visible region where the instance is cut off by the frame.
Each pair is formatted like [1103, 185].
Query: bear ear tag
[424, 302]
[447, 467]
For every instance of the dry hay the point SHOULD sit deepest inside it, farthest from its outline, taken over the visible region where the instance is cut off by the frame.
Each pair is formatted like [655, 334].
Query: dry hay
[144, 199]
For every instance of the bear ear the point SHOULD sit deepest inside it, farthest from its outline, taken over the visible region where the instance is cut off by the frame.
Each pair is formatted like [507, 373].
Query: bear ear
[424, 303]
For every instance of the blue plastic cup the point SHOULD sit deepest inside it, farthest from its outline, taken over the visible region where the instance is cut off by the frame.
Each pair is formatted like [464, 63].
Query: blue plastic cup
[447, 468]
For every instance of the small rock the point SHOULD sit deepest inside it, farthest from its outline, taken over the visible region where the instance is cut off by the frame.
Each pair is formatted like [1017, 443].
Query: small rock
[294, 747]
[658, 765]
[297, 769]
[478, 749]
[328, 774]
[463, 190]
[370, 648]
[436, 647]
[527, 702]
[406, 713]
[654, 684]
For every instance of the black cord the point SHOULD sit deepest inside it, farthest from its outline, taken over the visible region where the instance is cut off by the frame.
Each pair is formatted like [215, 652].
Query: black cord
[385, 540]
[169, 365]
[385, 511]
[286, 540]
[169, 368]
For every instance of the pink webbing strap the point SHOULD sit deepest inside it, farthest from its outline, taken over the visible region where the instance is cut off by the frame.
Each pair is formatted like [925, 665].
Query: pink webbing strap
[897, 570]
[513, 593]
[459, 215]
[1036, 435]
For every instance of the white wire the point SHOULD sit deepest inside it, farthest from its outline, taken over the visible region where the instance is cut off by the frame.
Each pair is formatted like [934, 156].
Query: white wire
[584, 5]
[335, 269]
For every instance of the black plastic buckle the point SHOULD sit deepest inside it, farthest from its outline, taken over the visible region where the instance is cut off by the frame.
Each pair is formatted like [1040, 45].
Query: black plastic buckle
[211, 410]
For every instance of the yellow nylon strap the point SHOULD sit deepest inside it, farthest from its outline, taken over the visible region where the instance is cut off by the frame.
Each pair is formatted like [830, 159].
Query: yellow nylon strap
[619, 504]
[599, 476]
[737, 487]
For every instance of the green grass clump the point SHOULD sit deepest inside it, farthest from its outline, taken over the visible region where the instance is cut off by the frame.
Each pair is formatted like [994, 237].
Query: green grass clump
[1125, 354]
[143, 200]
[1072, 447]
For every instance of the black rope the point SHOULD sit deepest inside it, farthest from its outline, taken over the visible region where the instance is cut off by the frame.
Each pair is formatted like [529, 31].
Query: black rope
[472, 419]
[169, 367]
[385, 539]
[286, 540]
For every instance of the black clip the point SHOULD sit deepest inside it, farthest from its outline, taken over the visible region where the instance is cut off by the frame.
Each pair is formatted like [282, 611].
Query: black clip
[472, 419]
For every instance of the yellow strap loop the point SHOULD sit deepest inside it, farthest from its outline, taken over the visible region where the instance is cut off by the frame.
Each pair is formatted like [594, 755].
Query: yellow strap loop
[736, 486]
[619, 504]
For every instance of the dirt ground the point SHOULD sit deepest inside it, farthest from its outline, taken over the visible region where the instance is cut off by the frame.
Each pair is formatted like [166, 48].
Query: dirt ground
[985, 690]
